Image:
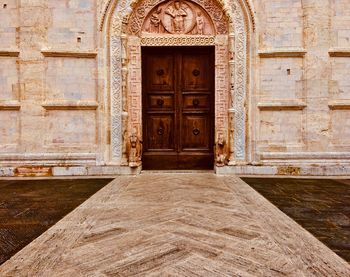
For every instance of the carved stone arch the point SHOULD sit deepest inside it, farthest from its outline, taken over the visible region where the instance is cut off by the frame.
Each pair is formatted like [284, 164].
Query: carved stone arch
[104, 7]
[124, 80]
[210, 11]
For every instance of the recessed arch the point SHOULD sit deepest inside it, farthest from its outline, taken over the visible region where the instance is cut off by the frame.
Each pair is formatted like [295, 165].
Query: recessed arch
[106, 7]
[122, 58]
[212, 11]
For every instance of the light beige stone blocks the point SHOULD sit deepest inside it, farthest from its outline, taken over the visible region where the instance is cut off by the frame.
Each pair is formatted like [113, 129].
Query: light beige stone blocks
[58, 76]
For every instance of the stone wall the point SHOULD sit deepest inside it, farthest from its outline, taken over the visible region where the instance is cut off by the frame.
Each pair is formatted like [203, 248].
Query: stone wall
[55, 104]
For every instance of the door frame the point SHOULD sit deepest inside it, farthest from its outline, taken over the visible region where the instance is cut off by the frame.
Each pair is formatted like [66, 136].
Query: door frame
[225, 117]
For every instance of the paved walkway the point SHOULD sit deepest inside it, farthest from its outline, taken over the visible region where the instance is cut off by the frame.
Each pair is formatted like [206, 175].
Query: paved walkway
[176, 225]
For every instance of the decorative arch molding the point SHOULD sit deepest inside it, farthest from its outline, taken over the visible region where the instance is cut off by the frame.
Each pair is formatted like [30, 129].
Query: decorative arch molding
[124, 63]
[104, 6]
[211, 11]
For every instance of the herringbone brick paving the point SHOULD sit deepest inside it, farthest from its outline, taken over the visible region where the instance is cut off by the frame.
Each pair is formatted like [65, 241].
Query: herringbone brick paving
[176, 225]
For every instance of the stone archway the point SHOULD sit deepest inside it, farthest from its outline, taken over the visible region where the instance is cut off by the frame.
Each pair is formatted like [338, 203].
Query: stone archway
[230, 36]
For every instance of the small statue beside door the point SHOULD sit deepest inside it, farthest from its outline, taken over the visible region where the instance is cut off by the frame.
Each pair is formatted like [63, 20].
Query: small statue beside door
[220, 151]
[135, 151]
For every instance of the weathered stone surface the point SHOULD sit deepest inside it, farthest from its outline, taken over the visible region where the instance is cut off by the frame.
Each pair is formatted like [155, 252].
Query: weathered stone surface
[67, 171]
[70, 78]
[176, 225]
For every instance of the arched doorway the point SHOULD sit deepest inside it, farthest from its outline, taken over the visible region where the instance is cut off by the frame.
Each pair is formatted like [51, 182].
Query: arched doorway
[196, 23]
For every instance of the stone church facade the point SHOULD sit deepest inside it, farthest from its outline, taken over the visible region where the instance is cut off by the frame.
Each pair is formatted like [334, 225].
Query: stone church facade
[72, 95]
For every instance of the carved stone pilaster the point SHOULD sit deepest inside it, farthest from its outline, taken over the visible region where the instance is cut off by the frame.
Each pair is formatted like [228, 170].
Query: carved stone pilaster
[116, 100]
[118, 86]
[240, 83]
[231, 144]
[231, 111]
[221, 88]
[135, 87]
[125, 115]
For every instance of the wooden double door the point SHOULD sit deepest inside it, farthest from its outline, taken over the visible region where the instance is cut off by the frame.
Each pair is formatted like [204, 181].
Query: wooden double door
[178, 107]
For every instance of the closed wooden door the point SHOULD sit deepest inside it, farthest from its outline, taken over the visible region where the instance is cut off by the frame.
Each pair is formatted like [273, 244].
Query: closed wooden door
[178, 110]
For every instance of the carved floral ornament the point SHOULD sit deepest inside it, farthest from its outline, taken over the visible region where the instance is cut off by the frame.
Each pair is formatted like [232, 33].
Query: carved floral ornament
[180, 17]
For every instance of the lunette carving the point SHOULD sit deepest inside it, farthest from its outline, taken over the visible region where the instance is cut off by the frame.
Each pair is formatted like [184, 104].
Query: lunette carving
[155, 22]
[200, 23]
[104, 5]
[176, 23]
[178, 17]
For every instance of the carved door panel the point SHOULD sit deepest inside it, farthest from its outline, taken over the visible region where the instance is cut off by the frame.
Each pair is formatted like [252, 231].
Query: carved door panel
[178, 98]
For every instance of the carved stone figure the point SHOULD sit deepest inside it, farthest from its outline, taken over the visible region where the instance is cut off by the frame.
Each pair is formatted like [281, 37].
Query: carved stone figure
[179, 17]
[200, 23]
[135, 149]
[155, 21]
[177, 12]
[220, 151]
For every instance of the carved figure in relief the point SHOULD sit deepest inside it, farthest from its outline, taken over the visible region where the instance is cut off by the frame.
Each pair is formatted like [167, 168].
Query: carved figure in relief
[200, 23]
[220, 151]
[178, 13]
[178, 17]
[155, 21]
[135, 149]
